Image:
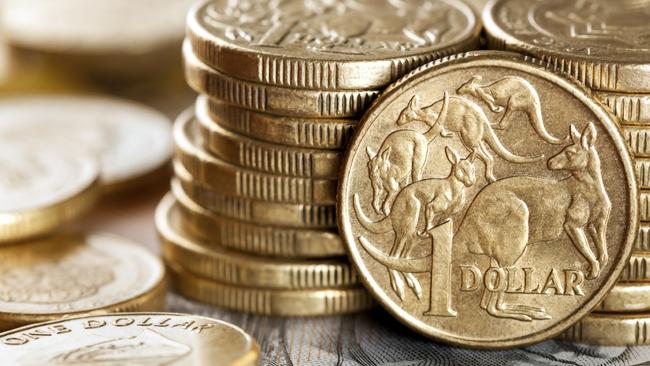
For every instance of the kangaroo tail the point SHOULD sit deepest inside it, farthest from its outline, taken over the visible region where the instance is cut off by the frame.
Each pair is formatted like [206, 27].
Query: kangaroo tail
[495, 144]
[537, 121]
[376, 227]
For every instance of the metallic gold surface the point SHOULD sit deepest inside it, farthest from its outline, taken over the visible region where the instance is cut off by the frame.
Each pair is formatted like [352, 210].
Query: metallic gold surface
[325, 45]
[517, 224]
[272, 99]
[235, 181]
[76, 274]
[610, 330]
[43, 187]
[603, 44]
[628, 297]
[630, 108]
[642, 242]
[255, 239]
[644, 207]
[310, 133]
[239, 269]
[638, 139]
[130, 339]
[270, 302]
[637, 268]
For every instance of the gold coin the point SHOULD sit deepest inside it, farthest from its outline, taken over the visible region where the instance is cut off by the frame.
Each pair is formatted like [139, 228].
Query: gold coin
[630, 108]
[642, 243]
[76, 274]
[219, 264]
[638, 139]
[644, 208]
[489, 222]
[603, 44]
[310, 133]
[240, 182]
[255, 211]
[637, 268]
[271, 302]
[256, 239]
[343, 45]
[642, 166]
[272, 99]
[130, 339]
[610, 330]
[629, 297]
[43, 186]
[131, 140]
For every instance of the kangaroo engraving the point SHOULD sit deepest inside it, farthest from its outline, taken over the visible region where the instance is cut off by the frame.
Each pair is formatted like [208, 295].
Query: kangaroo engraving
[435, 199]
[511, 95]
[399, 162]
[468, 120]
[540, 210]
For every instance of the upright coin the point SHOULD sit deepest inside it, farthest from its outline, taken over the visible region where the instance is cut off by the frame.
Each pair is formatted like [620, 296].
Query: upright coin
[603, 44]
[131, 140]
[515, 206]
[74, 274]
[43, 186]
[350, 44]
[130, 339]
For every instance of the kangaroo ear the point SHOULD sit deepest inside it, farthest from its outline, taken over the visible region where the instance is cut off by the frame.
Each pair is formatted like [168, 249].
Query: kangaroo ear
[575, 135]
[386, 153]
[451, 156]
[413, 103]
[589, 136]
[371, 153]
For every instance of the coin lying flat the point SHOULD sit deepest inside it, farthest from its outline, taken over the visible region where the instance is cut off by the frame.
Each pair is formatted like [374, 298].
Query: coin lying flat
[602, 44]
[42, 187]
[260, 301]
[273, 99]
[238, 269]
[630, 108]
[637, 268]
[488, 223]
[252, 238]
[642, 166]
[240, 182]
[75, 274]
[310, 133]
[130, 339]
[628, 297]
[132, 141]
[643, 238]
[610, 330]
[644, 208]
[328, 45]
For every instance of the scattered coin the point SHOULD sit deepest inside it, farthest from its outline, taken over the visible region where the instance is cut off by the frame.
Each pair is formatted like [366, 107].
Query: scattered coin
[76, 274]
[231, 267]
[628, 297]
[42, 187]
[324, 45]
[610, 330]
[456, 246]
[130, 339]
[133, 141]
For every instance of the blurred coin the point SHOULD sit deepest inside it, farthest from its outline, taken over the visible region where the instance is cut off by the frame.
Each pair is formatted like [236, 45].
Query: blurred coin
[42, 186]
[74, 274]
[325, 45]
[644, 207]
[630, 108]
[610, 330]
[130, 339]
[270, 302]
[132, 141]
[628, 297]
[637, 268]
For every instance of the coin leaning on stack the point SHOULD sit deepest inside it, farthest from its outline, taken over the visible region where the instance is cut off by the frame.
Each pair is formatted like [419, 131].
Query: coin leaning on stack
[251, 220]
[615, 66]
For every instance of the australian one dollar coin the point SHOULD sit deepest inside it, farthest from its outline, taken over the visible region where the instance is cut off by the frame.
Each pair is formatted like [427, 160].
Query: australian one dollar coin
[487, 202]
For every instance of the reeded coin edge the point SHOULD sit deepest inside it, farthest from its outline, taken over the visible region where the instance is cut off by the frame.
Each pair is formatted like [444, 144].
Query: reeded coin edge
[636, 325]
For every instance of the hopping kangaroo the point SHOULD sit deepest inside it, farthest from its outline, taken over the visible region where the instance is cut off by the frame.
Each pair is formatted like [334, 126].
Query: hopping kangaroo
[438, 199]
[511, 94]
[510, 214]
[468, 120]
[399, 162]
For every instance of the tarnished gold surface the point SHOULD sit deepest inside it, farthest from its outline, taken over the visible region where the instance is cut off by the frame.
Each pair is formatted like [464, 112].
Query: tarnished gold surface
[130, 339]
[491, 222]
[236, 181]
[310, 133]
[630, 108]
[253, 238]
[43, 186]
[325, 45]
[603, 44]
[76, 274]
[273, 99]
[610, 330]
[628, 297]
[239, 269]
[270, 302]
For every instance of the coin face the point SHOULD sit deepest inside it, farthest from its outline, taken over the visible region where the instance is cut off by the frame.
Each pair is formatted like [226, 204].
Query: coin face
[75, 274]
[485, 192]
[604, 44]
[351, 44]
[130, 339]
[131, 140]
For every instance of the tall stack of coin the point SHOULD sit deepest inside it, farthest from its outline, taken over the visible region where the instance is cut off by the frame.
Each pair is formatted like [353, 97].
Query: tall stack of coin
[603, 45]
[251, 222]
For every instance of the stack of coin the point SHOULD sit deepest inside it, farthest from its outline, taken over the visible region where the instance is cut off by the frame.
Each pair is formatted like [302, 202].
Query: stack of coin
[251, 223]
[602, 45]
